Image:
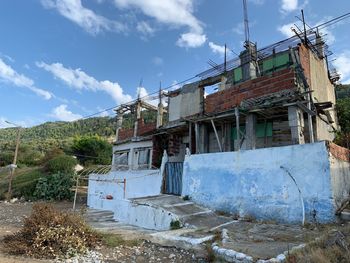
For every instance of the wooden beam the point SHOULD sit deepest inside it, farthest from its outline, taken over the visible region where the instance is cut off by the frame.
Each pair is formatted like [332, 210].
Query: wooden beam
[216, 134]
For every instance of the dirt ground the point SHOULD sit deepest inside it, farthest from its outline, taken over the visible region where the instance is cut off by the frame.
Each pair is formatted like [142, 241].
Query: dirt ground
[11, 219]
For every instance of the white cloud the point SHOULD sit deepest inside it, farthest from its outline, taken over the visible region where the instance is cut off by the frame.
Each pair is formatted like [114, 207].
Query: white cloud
[286, 30]
[288, 6]
[157, 61]
[63, 114]
[191, 40]
[145, 28]
[4, 124]
[175, 13]
[342, 64]
[9, 75]
[84, 17]
[217, 49]
[78, 79]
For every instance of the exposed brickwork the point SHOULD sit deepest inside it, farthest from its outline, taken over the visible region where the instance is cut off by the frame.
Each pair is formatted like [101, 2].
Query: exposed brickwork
[143, 128]
[233, 96]
[339, 152]
[174, 144]
[125, 134]
[304, 54]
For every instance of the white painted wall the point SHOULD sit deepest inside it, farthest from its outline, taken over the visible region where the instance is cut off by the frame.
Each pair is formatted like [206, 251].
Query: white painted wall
[257, 182]
[139, 183]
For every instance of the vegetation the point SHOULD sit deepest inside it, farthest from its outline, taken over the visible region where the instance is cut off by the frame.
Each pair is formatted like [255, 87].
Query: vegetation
[115, 240]
[54, 187]
[332, 248]
[61, 164]
[343, 112]
[49, 233]
[24, 182]
[92, 150]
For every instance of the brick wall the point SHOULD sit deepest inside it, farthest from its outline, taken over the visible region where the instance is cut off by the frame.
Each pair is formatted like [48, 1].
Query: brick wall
[304, 54]
[143, 128]
[233, 96]
[174, 144]
[339, 152]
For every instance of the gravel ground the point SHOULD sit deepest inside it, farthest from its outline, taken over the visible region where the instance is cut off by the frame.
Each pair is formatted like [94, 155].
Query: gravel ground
[11, 219]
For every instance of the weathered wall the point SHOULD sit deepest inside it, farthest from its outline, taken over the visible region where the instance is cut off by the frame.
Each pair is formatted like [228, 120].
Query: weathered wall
[130, 146]
[259, 183]
[139, 183]
[233, 96]
[340, 171]
[187, 102]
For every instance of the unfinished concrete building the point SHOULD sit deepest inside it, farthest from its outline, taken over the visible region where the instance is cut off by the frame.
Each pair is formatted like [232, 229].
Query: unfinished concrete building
[251, 137]
[280, 95]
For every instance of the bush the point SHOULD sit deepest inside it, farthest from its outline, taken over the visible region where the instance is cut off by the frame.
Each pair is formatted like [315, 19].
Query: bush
[92, 150]
[55, 187]
[49, 233]
[61, 164]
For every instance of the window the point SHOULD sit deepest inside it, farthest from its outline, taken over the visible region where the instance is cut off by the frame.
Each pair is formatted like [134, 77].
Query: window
[143, 156]
[121, 158]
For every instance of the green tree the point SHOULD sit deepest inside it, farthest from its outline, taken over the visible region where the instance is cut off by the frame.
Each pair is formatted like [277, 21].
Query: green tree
[92, 150]
[61, 164]
[343, 112]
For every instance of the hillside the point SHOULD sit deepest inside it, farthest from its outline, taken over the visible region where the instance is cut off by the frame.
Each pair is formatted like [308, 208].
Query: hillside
[51, 134]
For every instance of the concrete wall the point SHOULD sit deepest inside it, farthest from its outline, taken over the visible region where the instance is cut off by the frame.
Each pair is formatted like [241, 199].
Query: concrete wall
[259, 182]
[139, 183]
[188, 102]
[130, 147]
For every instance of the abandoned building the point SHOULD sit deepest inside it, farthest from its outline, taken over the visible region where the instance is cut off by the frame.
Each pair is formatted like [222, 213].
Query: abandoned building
[252, 137]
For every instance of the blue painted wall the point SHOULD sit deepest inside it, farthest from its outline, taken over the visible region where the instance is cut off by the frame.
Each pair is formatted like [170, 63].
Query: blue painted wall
[258, 183]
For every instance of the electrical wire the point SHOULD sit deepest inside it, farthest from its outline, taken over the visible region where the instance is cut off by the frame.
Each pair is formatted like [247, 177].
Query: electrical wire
[134, 100]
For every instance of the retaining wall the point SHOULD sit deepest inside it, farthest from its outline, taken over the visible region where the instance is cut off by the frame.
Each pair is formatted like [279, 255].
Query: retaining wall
[265, 183]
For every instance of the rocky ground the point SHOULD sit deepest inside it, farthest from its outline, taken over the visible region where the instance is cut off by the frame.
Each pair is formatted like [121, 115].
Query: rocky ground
[11, 218]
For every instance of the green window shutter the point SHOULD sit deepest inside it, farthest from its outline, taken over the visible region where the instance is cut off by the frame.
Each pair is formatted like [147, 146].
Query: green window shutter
[237, 74]
[234, 132]
[282, 60]
[263, 129]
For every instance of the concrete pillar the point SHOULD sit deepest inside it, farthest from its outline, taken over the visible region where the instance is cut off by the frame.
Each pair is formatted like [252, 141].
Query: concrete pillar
[250, 127]
[160, 115]
[196, 131]
[222, 84]
[203, 138]
[137, 117]
[296, 124]
[119, 124]
[248, 62]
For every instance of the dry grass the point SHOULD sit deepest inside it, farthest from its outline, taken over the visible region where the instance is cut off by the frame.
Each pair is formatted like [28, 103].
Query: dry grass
[48, 233]
[331, 248]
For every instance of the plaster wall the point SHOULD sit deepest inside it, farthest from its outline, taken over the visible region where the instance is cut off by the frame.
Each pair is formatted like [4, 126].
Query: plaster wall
[144, 216]
[130, 147]
[139, 183]
[264, 183]
[340, 178]
[188, 102]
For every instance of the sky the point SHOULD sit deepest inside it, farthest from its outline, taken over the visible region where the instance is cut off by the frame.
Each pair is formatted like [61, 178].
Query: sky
[61, 60]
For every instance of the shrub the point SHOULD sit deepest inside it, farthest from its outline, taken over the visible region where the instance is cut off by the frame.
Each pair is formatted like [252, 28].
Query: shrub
[61, 163]
[55, 187]
[92, 150]
[49, 233]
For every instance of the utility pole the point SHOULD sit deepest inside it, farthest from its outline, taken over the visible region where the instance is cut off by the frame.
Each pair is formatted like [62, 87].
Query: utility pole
[13, 165]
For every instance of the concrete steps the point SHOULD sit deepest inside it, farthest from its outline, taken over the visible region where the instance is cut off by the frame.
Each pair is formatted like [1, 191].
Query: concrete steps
[157, 213]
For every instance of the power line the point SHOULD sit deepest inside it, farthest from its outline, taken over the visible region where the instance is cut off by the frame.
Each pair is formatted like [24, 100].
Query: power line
[134, 100]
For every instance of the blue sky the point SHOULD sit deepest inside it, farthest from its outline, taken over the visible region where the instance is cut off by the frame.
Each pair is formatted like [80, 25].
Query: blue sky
[65, 59]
